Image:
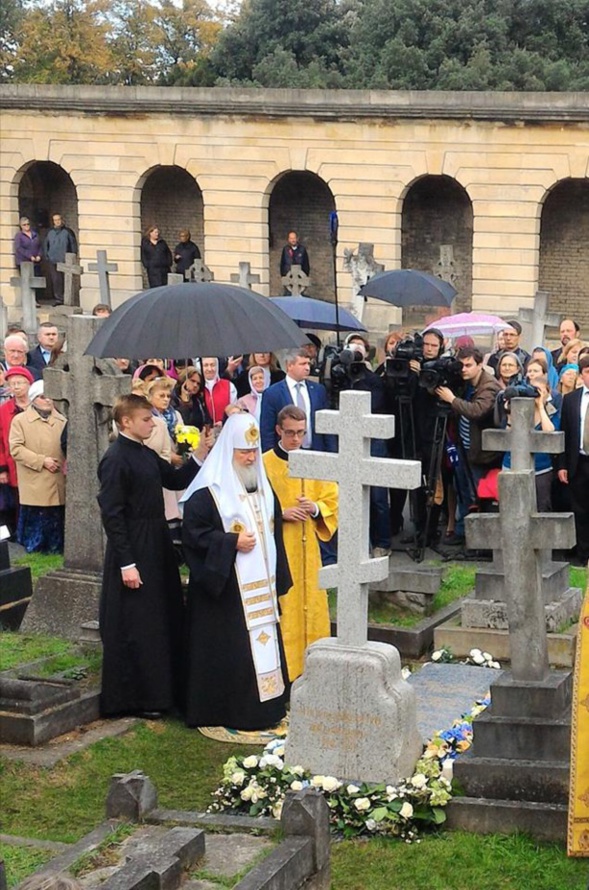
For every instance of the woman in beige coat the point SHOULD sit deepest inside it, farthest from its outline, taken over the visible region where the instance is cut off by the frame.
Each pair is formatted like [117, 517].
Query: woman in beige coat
[35, 445]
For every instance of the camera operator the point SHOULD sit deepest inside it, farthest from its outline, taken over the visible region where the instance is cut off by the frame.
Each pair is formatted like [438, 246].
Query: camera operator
[361, 377]
[475, 413]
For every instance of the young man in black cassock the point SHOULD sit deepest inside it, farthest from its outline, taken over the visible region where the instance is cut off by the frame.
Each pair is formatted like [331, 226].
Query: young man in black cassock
[141, 607]
[232, 535]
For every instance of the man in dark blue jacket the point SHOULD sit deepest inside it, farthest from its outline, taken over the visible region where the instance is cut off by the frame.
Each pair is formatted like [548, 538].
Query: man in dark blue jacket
[294, 254]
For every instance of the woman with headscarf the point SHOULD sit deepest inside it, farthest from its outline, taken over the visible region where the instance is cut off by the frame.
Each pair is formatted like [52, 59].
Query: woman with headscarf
[567, 379]
[259, 380]
[266, 360]
[551, 372]
[35, 445]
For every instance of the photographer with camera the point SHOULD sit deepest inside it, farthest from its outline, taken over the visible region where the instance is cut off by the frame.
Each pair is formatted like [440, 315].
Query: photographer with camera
[475, 413]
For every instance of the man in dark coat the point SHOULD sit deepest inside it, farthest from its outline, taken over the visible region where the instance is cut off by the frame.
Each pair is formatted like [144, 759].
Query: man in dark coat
[141, 609]
[294, 254]
[573, 463]
[232, 535]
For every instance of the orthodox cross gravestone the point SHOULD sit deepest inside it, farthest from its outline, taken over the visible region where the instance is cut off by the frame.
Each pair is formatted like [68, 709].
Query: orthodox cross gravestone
[104, 268]
[362, 267]
[25, 285]
[70, 268]
[445, 268]
[352, 715]
[245, 277]
[63, 600]
[489, 607]
[199, 272]
[296, 281]
[3, 320]
[535, 321]
[175, 278]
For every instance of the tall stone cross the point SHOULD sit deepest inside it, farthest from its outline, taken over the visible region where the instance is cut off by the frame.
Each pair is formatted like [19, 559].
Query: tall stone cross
[445, 268]
[295, 281]
[199, 272]
[3, 320]
[355, 471]
[245, 277]
[26, 284]
[89, 386]
[362, 267]
[535, 321]
[523, 534]
[103, 267]
[70, 268]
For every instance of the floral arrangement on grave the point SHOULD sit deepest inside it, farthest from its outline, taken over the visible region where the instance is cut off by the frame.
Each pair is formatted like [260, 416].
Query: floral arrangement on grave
[187, 438]
[476, 657]
[257, 786]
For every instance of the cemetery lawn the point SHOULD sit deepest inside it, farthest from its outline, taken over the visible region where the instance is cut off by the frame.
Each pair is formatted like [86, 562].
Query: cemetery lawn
[40, 563]
[22, 861]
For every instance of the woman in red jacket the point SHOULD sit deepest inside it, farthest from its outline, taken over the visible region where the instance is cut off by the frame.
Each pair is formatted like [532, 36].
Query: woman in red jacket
[18, 381]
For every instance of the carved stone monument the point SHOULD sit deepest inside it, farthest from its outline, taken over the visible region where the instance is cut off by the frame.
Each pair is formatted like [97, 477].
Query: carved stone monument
[362, 267]
[535, 321]
[245, 277]
[296, 281]
[352, 715]
[25, 284]
[104, 268]
[71, 295]
[65, 599]
[199, 272]
[445, 268]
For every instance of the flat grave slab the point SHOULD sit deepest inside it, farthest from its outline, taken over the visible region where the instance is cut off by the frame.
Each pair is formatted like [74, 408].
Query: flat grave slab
[447, 691]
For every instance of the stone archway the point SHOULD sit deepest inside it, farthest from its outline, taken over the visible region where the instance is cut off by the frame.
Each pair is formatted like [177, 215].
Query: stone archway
[46, 188]
[302, 201]
[172, 200]
[437, 221]
[564, 249]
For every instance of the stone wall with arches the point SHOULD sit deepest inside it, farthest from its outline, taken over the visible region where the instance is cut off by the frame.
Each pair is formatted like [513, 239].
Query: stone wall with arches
[406, 172]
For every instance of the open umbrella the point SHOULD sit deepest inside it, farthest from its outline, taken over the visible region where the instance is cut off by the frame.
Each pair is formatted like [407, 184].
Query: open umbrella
[179, 320]
[317, 314]
[409, 287]
[469, 324]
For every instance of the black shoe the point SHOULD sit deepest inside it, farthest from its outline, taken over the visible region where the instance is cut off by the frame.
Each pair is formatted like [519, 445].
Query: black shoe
[151, 715]
[453, 540]
[57, 303]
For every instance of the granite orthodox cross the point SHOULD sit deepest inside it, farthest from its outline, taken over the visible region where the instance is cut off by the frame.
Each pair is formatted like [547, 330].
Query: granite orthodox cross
[355, 471]
[536, 320]
[199, 272]
[295, 281]
[523, 533]
[89, 386]
[70, 268]
[26, 284]
[103, 267]
[245, 277]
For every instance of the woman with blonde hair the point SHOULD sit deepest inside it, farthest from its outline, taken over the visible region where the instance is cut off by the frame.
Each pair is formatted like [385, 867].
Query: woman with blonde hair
[570, 353]
[156, 257]
[567, 379]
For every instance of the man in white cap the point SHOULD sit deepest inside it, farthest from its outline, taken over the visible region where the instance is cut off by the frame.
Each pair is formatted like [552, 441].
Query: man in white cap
[232, 536]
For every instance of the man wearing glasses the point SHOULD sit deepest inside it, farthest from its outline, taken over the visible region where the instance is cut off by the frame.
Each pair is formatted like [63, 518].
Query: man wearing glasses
[309, 514]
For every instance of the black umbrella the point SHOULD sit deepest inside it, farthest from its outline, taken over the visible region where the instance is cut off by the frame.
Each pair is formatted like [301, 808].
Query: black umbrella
[182, 320]
[409, 287]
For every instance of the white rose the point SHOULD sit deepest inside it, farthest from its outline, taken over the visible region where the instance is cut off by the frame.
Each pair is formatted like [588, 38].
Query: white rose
[478, 658]
[391, 793]
[271, 760]
[297, 770]
[250, 762]
[406, 810]
[437, 655]
[296, 786]
[246, 794]
[317, 781]
[495, 664]
[277, 810]
[238, 778]
[331, 784]
[474, 652]
[352, 789]
[364, 804]
[370, 824]
[418, 780]
[406, 673]
[487, 656]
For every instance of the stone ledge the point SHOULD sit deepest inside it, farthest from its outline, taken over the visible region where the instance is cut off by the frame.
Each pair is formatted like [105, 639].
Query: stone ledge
[545, 822]
[319, 104]
[219, 821]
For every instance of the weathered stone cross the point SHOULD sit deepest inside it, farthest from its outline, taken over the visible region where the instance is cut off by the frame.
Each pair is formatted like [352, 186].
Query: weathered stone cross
[199, 272]
[523, 534]
[245, 277]
[89, 386]
[175, 278]
[355, 471]
[103, 267]
[26, 284]
[295, 281]
[536, 320]
[70, 268]
[3, 320]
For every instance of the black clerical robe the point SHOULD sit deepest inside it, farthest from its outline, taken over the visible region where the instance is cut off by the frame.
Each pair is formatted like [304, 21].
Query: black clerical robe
[222, 686]
[142, 630]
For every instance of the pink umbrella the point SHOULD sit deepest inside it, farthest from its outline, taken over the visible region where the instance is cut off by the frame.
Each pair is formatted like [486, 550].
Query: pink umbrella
[468, 324]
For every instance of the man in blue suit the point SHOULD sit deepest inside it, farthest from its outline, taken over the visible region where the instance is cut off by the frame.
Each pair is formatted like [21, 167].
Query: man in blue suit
[295, 389]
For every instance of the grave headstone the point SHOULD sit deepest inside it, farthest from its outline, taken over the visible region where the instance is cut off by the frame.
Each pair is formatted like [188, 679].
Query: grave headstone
[16, 589]
[445, 268]
[131, 796]
[65, 599]
[104, 268]
[25, 285]
[245, 277]
[362, 267]
[296, 281]
[199, 272]
[352, 714]
[534, 321]
[70, 268]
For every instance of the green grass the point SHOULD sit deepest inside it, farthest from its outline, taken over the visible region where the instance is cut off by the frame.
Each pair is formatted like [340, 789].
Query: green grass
[16, 648]
[40, 563]
[456, 861]
[106, 853]
[20, 862]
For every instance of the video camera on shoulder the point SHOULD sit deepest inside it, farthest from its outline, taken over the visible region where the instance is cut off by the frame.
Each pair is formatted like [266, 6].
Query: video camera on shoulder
[410, 349]
[444, 371]
[341, 368]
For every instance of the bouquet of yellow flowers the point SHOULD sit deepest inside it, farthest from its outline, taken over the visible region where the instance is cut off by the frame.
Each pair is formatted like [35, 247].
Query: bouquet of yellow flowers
[187, 438]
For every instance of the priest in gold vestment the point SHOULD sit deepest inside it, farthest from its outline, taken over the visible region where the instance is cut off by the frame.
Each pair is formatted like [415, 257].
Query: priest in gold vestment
[309, 513]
